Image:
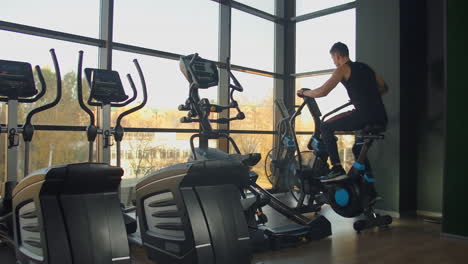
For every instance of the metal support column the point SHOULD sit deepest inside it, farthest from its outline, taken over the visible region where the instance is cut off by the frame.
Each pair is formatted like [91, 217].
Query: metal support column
[285, 60]
[224, 53]
[12, 151]
[285, 54]
[105, 62]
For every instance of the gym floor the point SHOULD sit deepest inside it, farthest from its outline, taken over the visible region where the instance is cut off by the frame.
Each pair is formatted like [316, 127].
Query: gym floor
[409, 240]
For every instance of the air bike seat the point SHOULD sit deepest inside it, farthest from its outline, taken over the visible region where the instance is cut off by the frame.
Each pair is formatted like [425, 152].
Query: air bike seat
[74, 208]
[372, 132]
[192, 213]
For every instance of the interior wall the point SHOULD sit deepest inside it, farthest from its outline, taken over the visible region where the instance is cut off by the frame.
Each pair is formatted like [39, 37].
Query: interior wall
[431, 130]
[455, 176]
[378, 44]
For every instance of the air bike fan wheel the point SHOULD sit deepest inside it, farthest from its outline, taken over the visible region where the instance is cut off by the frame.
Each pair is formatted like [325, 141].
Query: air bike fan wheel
[295, 183]
[344, 198]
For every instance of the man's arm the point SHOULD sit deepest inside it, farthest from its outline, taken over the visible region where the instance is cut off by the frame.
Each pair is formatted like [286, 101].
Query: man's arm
[325, 89]
[383, 88]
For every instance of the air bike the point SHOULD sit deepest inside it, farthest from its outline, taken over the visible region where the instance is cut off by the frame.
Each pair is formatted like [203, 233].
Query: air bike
[63, 214]
[199, 212]
[301, 171]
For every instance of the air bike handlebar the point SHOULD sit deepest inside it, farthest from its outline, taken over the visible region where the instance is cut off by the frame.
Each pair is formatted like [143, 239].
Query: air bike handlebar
[311, 103]
[336, 110]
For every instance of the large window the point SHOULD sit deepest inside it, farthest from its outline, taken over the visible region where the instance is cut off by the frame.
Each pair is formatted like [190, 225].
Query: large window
[180, 27]
[252, 41]
[143, 153]
[315, 37]
[67, 112]
[50, 148]
[154, 28]
[345, 148]
[167, 89]
[334, 99]
[76, 17]
[309, 6]
[176, 26]
[255, 143]
[267, 6]
[256, 101]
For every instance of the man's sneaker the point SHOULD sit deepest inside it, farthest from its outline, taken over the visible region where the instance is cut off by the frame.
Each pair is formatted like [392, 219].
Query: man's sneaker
[337, 173]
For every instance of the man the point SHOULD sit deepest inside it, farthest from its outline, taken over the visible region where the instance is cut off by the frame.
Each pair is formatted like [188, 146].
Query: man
[364, 88]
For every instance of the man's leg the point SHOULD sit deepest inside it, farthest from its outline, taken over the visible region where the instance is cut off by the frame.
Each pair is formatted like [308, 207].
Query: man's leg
[347, 121]
[357, 147]
[368, 186]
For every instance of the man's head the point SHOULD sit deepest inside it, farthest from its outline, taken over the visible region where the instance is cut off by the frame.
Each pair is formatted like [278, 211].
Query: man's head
[340, 53]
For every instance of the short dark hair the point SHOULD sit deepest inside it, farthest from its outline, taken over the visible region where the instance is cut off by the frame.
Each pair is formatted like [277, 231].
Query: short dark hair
[340, 48]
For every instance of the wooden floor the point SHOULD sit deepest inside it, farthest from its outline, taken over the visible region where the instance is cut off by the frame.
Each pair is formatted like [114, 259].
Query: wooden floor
[409, 241]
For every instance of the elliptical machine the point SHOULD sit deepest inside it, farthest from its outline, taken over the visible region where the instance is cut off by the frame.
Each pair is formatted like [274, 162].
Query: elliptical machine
[349, 197]
[203, 74]
[106, 89]
[61, 214]
[192, 212]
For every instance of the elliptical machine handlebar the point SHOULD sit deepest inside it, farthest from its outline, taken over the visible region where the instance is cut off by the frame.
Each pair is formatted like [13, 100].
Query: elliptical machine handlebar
[106, 88]
[80, 90]
[91, 130]
[135, 94]
[145, 93]
[236, 86]
[28, 128]
[59, 90]
[128, 101]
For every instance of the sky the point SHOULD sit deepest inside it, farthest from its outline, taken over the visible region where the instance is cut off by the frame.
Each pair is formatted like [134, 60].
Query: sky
[183, 27]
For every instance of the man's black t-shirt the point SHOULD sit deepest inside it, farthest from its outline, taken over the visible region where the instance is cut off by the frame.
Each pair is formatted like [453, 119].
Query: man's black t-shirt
[364, 93]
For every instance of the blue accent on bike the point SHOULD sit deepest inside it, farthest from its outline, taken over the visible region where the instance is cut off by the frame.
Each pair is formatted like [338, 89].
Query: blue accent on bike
[368, 179]
[316, 144]
[288, 142]
[342, 197]
[359, 143]
[359, 166]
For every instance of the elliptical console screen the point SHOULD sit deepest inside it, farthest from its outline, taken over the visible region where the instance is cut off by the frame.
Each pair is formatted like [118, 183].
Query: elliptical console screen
[16, 79]
[202, 72]
[106, 86]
